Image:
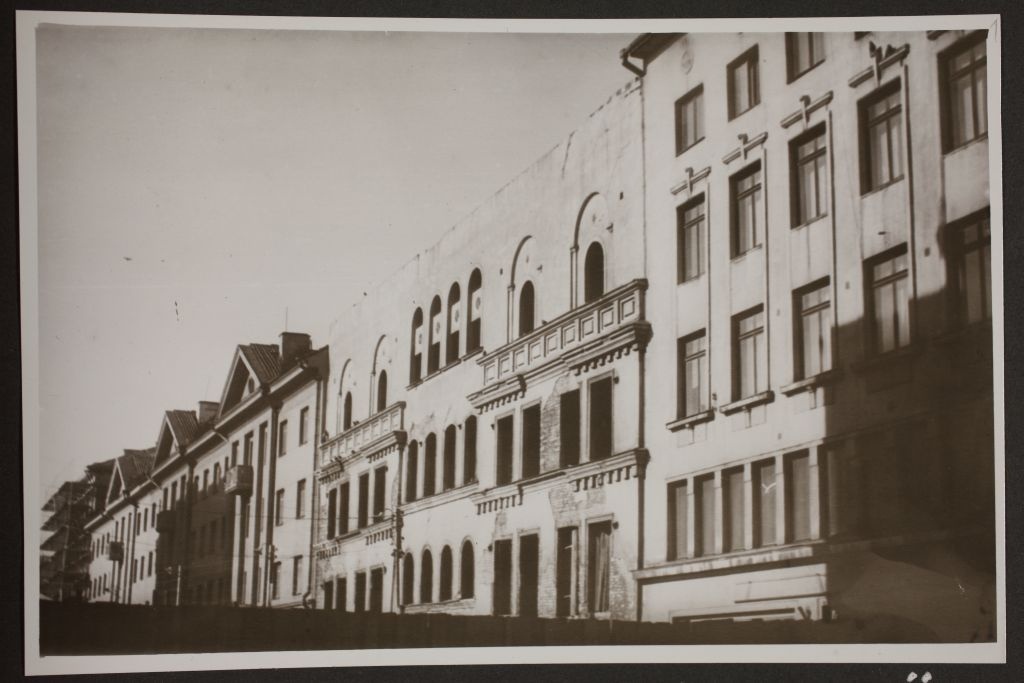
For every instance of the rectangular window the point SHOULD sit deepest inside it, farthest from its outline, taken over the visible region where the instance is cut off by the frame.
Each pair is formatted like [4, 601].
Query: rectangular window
[328, 587]
[744, 90]
[569, 428]
[341, 594]
[300, 499]
[503, 465]
[813, 329]
[529, 574]
[343, 506]
[502, 593]
[798, 497]
[804, 51]
[964, 92]
[332, 512]
[693, 381]
[360, 595]
[704, 488]
[809, 177]
[296, 574]
[601, 418]
[888, 284]
[275, 580]
[234, 453]
[379, 475]
[531, 441]
[734, 507]
[689, 119]
[565, 572]
[745, 201]
[690, 226]
[304, 425]
[247, 452]
[881, 137]
[972, 258]
[282, 438]
[599, 556]
[750, 354]
[279, 508]
[364, 503]
[764, 503]
[678, 520]
[206, 480]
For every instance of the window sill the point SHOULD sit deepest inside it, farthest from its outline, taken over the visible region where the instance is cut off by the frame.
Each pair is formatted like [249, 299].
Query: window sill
[471, 354]
[884, 186]
[888, 359]
[434, 374]
[808, 222]
[691, 421]
[793, 78]
[684, 150]
[964, 145]
[748, 403]
[809, 383]
[735, 115]
[738, 258]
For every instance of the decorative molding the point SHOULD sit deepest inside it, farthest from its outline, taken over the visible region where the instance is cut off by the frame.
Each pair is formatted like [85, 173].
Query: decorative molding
[807, 107]
[747, 145]
[882, 59]
[620, 467]
[748, 403]
[691, 421]
[691, 178]
[372, 438]
[811, 383]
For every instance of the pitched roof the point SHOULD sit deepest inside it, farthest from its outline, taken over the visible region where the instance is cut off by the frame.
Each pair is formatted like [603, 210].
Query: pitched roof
[184, 424]
[264, 359]
[135, 466]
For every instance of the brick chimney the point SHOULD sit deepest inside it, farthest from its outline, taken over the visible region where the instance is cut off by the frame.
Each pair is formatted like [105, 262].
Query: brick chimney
[208, 411]
[294, 345]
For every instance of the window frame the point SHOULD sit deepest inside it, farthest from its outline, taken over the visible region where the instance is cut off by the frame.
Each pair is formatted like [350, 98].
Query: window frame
[749, 59]
[792, 38]
[683, 225]
[871, 285]
[694, 95]
[756, 194]
[800, 314]
[865, 124]
[957, 250]
[796, 162]
[946, 58]
[683, 360]
[737, 351]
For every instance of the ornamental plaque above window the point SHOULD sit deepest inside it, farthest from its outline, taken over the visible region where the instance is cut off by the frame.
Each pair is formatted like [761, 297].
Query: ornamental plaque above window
[881, 59]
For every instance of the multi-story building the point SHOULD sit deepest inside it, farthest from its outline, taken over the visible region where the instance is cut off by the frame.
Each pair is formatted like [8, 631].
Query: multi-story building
[66, 551]
[819, 413]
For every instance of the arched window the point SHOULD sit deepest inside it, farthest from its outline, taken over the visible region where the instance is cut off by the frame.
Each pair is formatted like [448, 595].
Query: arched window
[430, 465]
[526, 308]
[436, 331]
[475, 299]
[451, 348]
[408, 580]
[469, 450]
[593, 273]
[448, 466]
[416, 359]
[346, 412]
[412, 460]
[426, 577]
[382, 390]
[446, 574]
[466, 571]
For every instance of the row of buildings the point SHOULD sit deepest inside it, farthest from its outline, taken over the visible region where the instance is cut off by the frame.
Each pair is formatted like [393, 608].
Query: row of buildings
[723, 353]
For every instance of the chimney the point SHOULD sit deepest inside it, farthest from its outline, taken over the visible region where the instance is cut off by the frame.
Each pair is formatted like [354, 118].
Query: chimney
[208, 411]
[294, 345]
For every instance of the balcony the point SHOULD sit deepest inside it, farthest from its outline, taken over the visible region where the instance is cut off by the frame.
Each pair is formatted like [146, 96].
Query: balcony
[164, 521]
[115, 551]
[238, 480]
[584, 337]
[373, 437]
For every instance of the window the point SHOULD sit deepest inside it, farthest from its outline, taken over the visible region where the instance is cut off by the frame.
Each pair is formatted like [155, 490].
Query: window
[247, 450]
[364, 503]
[328, 587]
[408, 579]
[964, 92]
[744, 90]
[503, 464]
[704, 488]
[599, 566]
[346, 412]
[889, 301]
[282, 446]
[678, 520]
[569, 428]
[764, 503]
[382, 390]
[881, 135]
[412, 463]
[451, 349]
[278, 508]
[689, 119]
[416, 360]
[745, 190]
[466, 570]
[690, 239]
[234, 453]
[734, 507]
[750, 361]
[447, 575]
[341, 594]
[601, 418]
[379, 478]
[426, 577]
[275, 583]
[804, 51]
[529, 574]
[436, 331]
[343, 500]
[360, 592]
[526, 309]
[813, 329]
[593, 273]
[448, 464]
[150, 572]
[693, 395]
[332, 512]
[469, 450]
[296, 574]
[216, 480]
[972, 259]
[304, 425]
[475, 309]
[300, 499]
[206, 485]
[565, 571]
[502, 592]
[531, 441]
[430, 465]
[798, 497]
[809, 190]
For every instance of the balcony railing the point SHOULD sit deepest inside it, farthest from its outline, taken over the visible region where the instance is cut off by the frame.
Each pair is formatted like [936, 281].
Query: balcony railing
[238, 480]
[164, 521]
[364, 436]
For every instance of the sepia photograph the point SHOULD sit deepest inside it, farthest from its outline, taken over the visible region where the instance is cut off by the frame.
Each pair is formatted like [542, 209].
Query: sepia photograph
[495, 341]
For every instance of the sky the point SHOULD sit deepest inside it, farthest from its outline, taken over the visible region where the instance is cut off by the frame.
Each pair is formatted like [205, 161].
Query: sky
[200, 187]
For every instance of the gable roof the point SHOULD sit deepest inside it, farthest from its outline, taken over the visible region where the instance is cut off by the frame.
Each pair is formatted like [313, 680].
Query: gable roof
[135, 466]
[264, 359]
[184, 424]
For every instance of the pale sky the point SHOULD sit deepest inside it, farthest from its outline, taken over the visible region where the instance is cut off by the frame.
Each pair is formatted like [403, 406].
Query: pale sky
[195, 184]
